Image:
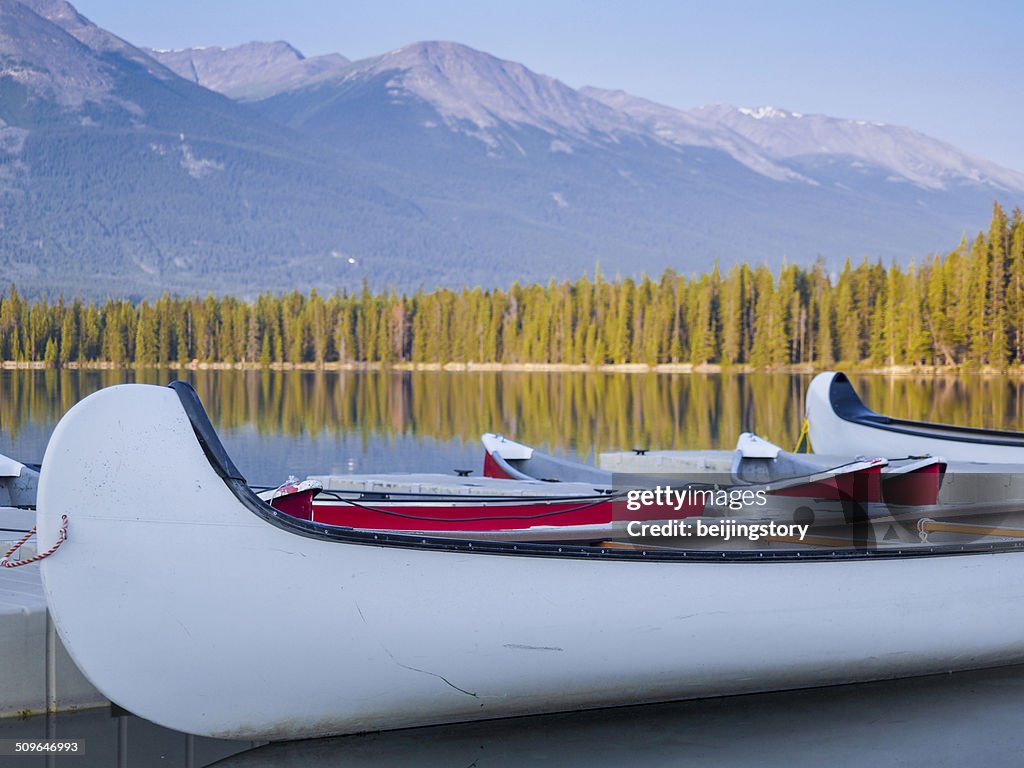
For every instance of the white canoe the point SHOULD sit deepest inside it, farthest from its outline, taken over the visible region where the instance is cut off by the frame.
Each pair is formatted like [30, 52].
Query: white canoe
[188, 601]
[800, 487]
[839, 423]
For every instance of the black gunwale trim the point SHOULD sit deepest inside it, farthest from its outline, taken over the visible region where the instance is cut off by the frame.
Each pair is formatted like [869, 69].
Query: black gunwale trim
[225, 468]
[205, 433]
[848, 406]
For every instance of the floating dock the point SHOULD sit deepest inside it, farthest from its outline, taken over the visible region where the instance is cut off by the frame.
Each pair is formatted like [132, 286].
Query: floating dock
[39, 675]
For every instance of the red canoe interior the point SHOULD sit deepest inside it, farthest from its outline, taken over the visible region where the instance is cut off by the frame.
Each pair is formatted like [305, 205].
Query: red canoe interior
[462, 514]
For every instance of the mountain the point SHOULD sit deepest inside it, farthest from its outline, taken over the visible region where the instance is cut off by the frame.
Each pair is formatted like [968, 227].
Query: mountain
[683, 129]
[96, 39]
[541, 179]
[125, 171]
[805, 141]
[253, 70]
[636, 184]
[119, 177]
[39, 59]
[468, 87]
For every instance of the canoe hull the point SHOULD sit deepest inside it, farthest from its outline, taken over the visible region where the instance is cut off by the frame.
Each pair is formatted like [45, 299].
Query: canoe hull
[184, 607]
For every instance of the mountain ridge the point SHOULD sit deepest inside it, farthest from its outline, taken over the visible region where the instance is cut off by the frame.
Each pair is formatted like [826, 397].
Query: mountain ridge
[444, 72]
[909, 153]
[434, 164]
[248, 71]
[135, 181]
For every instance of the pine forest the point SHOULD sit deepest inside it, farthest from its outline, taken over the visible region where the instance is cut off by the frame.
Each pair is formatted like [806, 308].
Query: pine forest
[964, 308]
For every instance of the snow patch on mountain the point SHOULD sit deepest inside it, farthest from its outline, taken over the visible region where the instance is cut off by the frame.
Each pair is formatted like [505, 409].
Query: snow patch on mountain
[759, 113]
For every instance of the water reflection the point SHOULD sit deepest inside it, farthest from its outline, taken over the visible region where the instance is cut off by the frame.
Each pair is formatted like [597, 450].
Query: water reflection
[954, 720]
[402, 421]
[969, 718]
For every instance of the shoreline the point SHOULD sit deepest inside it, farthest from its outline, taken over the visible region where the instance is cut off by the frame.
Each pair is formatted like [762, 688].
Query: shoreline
[471, 367]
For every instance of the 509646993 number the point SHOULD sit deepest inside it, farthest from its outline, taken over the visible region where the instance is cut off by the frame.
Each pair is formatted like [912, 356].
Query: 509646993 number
[42, 746]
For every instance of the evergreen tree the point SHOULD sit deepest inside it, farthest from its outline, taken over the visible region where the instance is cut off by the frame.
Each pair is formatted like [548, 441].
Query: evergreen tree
[998, 244]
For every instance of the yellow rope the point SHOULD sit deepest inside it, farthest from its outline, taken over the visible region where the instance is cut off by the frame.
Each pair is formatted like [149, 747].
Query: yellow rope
[803, 440]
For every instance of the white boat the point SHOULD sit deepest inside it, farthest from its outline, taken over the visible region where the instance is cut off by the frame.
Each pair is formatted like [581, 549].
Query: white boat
[17, 483]
[17, 507]
[792, 480]
[187, 600]
[909, 480]
[754, 463]
[839, 422]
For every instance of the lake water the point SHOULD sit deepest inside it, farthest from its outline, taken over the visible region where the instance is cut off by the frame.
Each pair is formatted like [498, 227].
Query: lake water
[301, 422]
[306, 422]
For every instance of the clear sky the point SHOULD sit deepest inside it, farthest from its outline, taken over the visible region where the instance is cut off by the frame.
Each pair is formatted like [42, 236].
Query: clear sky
[954, 70]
